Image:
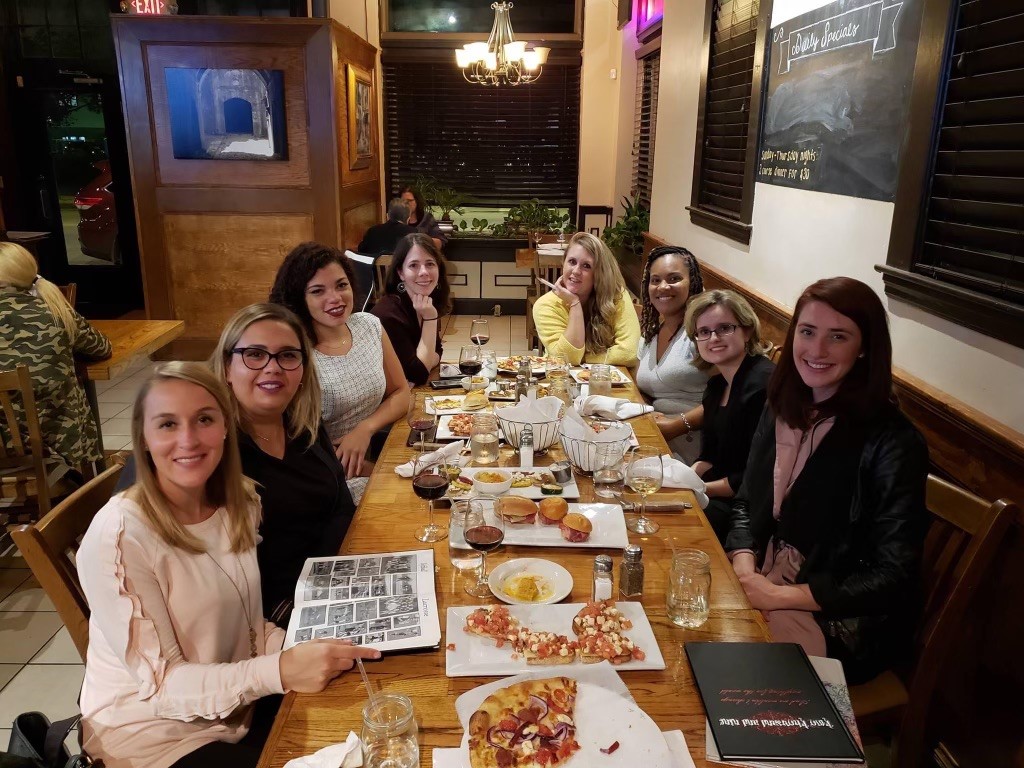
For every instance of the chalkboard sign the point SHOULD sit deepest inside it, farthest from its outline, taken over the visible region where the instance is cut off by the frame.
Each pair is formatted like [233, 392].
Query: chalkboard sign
[837, 98]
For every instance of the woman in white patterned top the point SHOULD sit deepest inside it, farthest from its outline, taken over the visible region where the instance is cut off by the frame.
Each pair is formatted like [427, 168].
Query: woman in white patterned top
[362, 381]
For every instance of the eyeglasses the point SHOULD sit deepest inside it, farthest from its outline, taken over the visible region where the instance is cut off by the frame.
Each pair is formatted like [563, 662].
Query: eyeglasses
[256, 359]
[725, 329]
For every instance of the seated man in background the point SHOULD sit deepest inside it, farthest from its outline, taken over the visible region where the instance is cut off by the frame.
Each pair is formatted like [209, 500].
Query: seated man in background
[382, 238]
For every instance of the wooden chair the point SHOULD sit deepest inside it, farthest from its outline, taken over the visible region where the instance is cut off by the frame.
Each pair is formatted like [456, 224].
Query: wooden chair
[774, 352]
[49, 547]
[70, 292]
[380, 266]
[29, 481]
[959, 549]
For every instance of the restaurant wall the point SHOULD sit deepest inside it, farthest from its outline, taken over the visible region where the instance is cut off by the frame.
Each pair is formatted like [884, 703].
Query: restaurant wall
[599, 102]
[800, 236]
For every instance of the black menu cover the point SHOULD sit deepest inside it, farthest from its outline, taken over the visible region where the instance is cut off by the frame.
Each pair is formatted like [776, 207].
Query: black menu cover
[765, 702]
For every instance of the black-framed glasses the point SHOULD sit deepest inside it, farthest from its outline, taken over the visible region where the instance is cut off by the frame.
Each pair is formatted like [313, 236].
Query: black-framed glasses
[256, 358]
[725, 329]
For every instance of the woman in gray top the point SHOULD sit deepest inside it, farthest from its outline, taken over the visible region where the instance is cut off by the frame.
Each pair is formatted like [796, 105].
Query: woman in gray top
[666, 374]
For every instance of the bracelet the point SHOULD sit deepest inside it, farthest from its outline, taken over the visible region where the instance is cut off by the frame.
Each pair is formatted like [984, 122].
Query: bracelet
[686, 421]
[429, 319]
[574, 304]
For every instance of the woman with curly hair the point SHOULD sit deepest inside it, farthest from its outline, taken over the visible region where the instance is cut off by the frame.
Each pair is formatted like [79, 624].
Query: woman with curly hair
[666, 374]
[416, 294]
[361, 378]
[588, 315]
[420, 218]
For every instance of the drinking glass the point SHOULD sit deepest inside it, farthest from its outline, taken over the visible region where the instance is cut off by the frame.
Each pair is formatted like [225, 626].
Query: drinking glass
[483, 438]
[689, 588]
[479, 332]
[557, 367]
[644, 475]
[609, 471]
[490, 364]
[390, 736]
[430, 481]
[422, 416]
[470, 361]
[484, 532]
[463, 558]
[601, 379]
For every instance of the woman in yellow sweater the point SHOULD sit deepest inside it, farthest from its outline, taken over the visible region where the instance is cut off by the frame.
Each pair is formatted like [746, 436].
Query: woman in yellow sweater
[588, 316]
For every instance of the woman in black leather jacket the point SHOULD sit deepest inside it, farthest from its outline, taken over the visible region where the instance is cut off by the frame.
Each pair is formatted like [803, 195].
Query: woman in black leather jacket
[829, 523]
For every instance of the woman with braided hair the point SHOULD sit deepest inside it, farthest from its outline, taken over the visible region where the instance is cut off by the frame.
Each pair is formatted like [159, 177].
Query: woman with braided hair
[666, 373]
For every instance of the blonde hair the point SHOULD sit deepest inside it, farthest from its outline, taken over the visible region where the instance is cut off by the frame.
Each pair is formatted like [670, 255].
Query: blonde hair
[304, 410]
[226, 487]
[741, 310]
[601, 307]
[18, 269]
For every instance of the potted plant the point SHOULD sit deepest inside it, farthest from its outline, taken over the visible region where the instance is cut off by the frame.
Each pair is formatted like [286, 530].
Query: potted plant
[448, 201]
[626, 239]
[531, 219]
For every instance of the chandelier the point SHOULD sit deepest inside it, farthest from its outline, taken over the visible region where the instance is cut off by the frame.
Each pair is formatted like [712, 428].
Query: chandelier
[501, 60]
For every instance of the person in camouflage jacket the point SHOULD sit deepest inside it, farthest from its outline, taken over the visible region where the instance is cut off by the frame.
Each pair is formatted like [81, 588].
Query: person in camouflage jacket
[46, 337]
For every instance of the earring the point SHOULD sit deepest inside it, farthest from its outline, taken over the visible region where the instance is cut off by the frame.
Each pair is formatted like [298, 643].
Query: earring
[401, 286]
[861, 355]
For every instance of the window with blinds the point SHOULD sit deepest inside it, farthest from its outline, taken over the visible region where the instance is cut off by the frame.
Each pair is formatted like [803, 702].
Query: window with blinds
[645, 121]
[957, 244]
[496, 146]
[729, 116]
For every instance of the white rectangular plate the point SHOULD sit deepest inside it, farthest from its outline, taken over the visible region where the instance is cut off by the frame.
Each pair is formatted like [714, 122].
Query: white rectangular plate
[443, 430]
[475, 655]
[609, 531]
[454, 398]
[570, 491]
[539, 366]
[619, 379]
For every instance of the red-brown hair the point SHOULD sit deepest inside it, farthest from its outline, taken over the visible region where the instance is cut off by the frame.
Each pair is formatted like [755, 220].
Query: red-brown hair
[867, 388]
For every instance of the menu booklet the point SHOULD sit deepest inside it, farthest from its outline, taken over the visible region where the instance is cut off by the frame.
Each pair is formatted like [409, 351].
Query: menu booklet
[385, 600]
[765, 702]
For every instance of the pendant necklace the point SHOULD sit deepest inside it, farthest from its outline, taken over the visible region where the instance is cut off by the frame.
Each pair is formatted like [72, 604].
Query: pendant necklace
[244, 600]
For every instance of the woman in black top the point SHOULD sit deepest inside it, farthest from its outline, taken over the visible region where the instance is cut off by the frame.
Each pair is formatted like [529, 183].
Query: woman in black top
[264, 356]
[727, 335]
[420, 218]
[828, 526]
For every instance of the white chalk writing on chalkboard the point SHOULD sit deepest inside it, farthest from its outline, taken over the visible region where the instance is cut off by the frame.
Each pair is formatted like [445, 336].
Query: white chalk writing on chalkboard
[873, 23]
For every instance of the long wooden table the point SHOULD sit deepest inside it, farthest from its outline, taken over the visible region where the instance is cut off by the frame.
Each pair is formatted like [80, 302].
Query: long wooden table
[130, 339]
[385, 521]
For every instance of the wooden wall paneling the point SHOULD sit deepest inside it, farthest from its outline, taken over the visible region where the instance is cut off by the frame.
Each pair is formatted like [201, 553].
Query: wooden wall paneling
[324, 135]
[356, 220]
[198, 246]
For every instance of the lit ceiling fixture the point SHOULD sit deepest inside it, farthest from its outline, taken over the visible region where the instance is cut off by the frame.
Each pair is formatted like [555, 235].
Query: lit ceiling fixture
[501, 60]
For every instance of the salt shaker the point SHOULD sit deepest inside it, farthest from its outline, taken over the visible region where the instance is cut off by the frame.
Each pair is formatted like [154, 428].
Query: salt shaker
[602, 578]
[631, 572]
[526, 447]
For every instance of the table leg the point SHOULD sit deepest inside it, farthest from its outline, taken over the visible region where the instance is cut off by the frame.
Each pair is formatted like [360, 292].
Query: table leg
[94, 406]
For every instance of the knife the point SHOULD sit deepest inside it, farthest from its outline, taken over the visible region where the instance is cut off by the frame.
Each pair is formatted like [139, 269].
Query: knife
[657, 506]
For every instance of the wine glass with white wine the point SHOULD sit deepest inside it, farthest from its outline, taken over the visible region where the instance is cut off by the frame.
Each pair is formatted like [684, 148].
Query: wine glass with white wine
[644, 475]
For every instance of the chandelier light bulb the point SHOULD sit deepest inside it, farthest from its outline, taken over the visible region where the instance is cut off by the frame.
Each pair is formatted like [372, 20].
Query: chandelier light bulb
[502, 60]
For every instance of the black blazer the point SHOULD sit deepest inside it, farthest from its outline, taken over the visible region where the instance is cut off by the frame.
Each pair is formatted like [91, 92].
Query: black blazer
[863, 568]
[382, 238]
[726, 447]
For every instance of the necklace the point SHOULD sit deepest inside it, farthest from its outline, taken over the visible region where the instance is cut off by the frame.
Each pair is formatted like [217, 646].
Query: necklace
[243, 600]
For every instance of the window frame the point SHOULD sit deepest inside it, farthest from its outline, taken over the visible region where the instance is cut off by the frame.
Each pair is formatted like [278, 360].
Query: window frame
[736, 229]
[993, 317]
[643, 53]
[452, 40]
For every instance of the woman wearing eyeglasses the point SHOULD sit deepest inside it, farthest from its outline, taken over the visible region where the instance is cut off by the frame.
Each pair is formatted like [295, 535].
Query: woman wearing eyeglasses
[265, 358]
[727, 335]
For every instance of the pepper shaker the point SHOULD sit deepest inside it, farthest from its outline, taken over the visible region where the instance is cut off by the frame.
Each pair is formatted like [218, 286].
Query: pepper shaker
[631, 572]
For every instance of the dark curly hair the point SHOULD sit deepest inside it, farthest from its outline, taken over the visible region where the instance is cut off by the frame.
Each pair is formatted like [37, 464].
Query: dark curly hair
[298, 268]
[441, 295]
[649, 322]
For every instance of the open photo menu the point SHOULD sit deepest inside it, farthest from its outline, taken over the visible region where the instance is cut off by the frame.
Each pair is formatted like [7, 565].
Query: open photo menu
[385, 600]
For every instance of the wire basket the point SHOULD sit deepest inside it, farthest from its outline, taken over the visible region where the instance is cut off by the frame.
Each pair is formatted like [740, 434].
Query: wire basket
[582, 454]
[545, 433]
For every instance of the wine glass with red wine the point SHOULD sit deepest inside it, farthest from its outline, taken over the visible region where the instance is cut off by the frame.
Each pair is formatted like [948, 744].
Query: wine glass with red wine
[479, 332]
[430, 480]
[422, 417]
[484, 531]
[470, 361]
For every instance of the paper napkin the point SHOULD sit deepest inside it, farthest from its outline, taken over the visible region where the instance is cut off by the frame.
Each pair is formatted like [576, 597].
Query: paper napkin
[347, 755]
[610, 407]
[450, 452]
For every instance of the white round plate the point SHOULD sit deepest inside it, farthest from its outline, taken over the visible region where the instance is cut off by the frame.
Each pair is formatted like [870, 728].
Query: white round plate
[559, 579]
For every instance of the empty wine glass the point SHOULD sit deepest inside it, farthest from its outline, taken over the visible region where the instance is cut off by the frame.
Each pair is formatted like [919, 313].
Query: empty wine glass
[422, 416]
[484, 531]
[430, 479]
[480, 332]
[644, 475]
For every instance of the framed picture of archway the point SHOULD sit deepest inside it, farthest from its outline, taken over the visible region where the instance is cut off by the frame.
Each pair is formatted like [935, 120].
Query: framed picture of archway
[360, 117]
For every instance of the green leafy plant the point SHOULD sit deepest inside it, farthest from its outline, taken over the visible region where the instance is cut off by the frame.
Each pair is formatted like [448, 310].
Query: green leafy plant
[448, 201]
[531, 217]
[628, 232]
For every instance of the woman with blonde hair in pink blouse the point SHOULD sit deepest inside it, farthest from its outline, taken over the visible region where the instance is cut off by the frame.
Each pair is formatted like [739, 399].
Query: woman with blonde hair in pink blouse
[179, 651]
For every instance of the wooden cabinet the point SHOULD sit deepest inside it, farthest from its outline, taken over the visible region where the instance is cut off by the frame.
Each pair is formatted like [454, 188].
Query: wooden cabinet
[238, 135]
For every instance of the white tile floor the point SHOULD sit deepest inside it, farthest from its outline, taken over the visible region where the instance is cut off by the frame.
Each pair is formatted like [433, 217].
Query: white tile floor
[40, 668]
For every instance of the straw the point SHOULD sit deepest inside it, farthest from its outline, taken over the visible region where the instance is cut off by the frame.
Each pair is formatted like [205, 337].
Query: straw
[371, 690]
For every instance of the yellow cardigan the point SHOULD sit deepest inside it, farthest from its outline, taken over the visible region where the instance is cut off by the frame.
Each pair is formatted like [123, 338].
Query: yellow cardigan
[551, 316]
